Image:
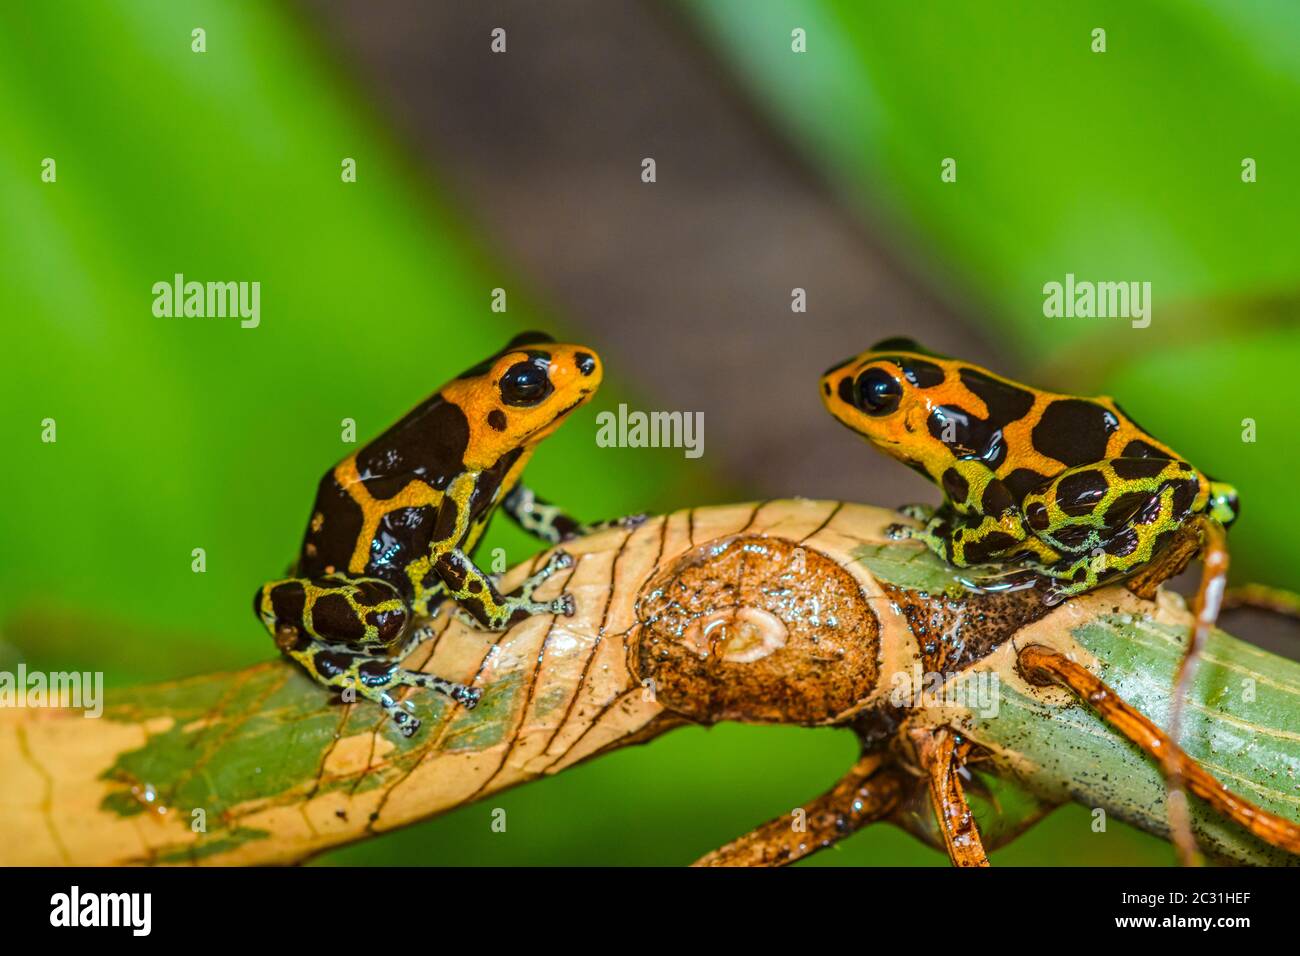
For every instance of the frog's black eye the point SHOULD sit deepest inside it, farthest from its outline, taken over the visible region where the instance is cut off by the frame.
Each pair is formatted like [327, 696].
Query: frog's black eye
[876, 392]
[525, 384]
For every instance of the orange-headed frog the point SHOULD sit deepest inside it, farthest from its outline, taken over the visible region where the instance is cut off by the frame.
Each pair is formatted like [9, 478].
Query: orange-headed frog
[395, 524]
[1070, 490]
[1071, 487]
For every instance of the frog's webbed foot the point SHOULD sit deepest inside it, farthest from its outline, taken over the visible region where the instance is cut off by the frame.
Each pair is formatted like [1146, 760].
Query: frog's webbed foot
[560, 560]
[934, 535]
[401, 714]
[521, 599]
[904, 532]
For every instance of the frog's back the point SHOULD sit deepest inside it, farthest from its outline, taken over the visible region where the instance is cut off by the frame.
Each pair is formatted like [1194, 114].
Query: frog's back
[1027, 436]
[375, 510]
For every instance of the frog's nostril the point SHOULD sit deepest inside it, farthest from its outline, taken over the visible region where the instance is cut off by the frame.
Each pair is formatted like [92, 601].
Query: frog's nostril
[586, 362]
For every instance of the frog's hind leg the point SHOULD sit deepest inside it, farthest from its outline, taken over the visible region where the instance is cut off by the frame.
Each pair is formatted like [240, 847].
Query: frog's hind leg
[1108, 520]
[351, 634]
[374, 678]
[1041, 665]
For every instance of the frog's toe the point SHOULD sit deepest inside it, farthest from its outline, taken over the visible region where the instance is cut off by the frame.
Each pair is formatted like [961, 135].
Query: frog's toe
[461, 694]
[1055, 594]
[407, 724]
[564, 605]
[468, 697]
[559, 561]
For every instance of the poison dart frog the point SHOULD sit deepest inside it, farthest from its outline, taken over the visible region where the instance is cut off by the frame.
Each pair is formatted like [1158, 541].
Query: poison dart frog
[394, 525]
[1069, 486]
[1070, 489]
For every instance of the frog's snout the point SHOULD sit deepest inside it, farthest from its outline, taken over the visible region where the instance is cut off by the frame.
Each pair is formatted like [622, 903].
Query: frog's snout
[576, 367]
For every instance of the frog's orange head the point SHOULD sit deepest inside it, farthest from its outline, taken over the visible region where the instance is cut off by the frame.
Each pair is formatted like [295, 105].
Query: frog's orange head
[521, 394]
[887, 395]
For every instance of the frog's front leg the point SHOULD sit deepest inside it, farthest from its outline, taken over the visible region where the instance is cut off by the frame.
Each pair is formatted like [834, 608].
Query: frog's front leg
[548, 522]
[473, 588]
[477, 595]
[966, 541]
[978, 522]
[935, 531]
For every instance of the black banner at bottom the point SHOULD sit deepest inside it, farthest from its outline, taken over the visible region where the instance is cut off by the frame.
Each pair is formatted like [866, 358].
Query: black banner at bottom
[472, 906]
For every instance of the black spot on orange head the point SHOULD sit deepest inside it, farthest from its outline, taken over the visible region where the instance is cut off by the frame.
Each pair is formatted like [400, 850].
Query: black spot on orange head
[886, 395]
[521, 395]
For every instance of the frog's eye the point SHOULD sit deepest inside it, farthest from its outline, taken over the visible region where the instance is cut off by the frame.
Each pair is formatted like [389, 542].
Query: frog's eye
[525, 384]
[876, 392]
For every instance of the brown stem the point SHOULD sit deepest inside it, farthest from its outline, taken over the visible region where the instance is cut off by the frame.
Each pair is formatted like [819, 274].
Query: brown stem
[937, 750]
[1041, 665]
[868, 792]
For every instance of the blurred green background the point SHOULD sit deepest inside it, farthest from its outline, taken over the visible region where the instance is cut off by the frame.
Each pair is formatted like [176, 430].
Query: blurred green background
[175, 434]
